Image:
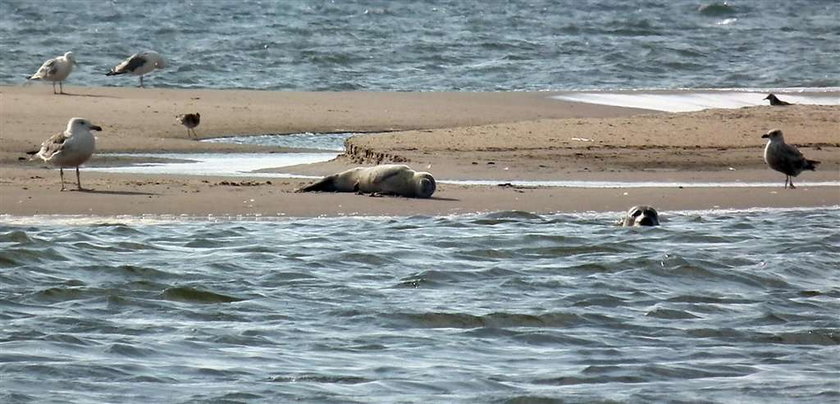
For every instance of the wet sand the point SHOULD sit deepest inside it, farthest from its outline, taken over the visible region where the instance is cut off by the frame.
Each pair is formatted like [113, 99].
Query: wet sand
[497, 136]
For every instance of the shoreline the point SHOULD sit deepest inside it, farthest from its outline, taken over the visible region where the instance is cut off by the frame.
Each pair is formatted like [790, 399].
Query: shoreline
[491, 136]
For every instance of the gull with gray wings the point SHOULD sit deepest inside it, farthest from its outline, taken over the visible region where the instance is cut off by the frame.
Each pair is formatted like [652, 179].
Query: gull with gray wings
[70, 148]
[139, 64]
[56, 70]
[785, 158]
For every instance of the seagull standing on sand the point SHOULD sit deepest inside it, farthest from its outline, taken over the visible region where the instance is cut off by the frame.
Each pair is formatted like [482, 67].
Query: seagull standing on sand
[56, 69]
[190, 121]
[139, 64]
[785, 158]
[775, 101]
[70, 148]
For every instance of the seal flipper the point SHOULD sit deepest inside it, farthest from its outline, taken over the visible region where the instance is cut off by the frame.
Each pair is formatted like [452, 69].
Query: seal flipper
[326, 184]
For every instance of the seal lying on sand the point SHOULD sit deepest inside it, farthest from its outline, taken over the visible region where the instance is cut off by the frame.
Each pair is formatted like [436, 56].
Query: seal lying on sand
[641, 215]
[388, 179]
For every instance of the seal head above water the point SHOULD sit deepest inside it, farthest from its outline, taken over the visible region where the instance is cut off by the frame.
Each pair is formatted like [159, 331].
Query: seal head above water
[641, 215]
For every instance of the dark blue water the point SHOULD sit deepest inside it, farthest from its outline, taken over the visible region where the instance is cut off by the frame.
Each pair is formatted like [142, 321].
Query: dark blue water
[498, 308]
[423, 46]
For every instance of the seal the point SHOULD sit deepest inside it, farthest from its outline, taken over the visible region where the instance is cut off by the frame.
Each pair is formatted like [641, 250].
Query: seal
[386, 179]
[641, 215]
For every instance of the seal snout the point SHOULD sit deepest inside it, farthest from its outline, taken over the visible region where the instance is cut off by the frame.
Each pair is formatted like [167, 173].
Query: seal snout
[647, 221]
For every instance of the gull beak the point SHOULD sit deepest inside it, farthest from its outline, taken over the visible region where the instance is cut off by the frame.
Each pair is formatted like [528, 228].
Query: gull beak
[765, 136]
[95, 127]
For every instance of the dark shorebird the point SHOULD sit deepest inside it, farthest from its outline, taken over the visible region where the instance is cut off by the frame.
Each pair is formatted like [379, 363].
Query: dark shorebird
[785, 158]
[190, 121]
[776, 101]
[56, 69]
[70, 148]
[139, 64]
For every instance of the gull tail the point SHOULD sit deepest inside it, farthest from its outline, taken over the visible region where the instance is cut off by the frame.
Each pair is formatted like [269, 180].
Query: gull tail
[811, 165]
[113, 73]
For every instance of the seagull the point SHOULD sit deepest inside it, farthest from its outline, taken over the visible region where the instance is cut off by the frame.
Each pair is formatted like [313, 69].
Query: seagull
[190, 121]
[785, 158]
[70, 148]
[139, 64]
[56, 69]
[776, 101]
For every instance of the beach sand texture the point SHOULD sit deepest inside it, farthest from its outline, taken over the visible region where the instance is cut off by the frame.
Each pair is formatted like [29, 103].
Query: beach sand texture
[495, 136]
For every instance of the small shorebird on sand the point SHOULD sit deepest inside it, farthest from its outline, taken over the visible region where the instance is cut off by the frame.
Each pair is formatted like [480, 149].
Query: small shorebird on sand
[70, 148]
[139, 64]
[785, 158]
[190, 121]
[56, 69]
[776, 101]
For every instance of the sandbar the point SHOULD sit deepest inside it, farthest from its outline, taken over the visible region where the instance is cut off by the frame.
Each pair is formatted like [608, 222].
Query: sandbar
[498, 136]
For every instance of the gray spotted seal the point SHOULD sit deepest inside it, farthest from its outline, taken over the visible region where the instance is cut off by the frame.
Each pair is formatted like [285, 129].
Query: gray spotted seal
[641, 215]
[387, 179]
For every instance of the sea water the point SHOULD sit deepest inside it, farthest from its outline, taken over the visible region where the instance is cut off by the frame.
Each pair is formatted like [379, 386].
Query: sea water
[725, 306]
[505, 307]
[408, 45]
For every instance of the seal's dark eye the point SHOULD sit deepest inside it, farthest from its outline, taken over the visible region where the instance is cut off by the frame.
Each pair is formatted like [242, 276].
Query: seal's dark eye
[636, 213]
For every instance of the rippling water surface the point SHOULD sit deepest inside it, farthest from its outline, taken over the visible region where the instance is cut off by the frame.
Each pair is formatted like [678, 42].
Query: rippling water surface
[441, 45]
[505, 307]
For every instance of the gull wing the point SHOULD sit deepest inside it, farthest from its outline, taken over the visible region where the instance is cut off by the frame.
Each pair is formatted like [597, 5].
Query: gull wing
[52, 146]
[49, 67]
[131, 64]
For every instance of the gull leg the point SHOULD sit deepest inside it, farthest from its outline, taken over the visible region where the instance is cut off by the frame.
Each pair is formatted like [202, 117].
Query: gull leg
[54, 87]
[61, 173]
[61, 87]
[141, 81]
[78, 180]
[791, 182]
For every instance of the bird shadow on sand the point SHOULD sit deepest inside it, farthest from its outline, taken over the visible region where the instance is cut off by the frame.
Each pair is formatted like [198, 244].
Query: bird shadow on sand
[87, 95]
[437, 198]
[128, 193]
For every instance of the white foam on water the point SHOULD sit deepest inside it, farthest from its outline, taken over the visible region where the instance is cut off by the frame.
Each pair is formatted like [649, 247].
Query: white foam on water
[705, 99]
